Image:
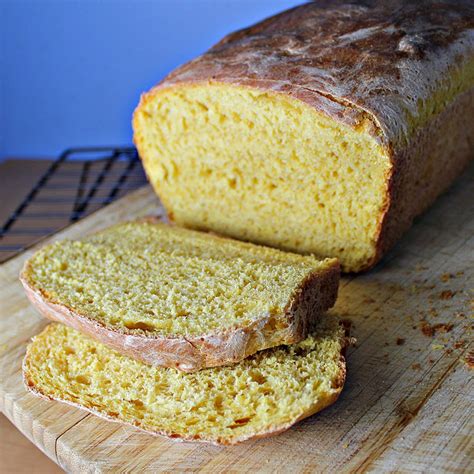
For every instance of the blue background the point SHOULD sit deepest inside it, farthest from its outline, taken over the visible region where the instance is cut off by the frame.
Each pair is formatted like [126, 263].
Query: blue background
[72, 72]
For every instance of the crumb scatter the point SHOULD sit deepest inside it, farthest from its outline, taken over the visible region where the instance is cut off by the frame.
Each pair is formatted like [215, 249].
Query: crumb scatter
[446, 294]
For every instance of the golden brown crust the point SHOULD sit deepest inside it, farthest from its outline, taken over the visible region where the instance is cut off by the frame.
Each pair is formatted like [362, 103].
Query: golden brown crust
[271, 431]
[373, 64]
[189, 354]
[355, 61]
[425, 168]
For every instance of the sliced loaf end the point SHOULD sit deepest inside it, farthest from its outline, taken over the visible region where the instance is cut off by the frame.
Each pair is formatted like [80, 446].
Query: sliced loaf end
[260, 165]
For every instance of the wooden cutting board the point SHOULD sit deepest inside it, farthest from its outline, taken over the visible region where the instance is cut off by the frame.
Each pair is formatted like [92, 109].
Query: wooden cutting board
[408, 401]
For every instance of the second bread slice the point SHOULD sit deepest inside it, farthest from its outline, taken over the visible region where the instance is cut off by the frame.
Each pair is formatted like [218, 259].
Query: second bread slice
[179, 298]
[261, 396]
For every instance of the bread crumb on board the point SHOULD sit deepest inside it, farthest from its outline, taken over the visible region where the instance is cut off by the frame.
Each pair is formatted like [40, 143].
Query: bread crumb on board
[446, 277]
[419, 267]
[469, 359]
[460, 344]
[431, 330]
[446, 294]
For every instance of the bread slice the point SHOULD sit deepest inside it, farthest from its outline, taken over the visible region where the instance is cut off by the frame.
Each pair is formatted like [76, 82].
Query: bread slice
[262, 395]
[179, 298]
[326, 128]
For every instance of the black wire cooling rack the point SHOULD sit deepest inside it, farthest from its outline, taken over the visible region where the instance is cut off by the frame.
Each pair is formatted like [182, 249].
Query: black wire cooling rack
[77, 183]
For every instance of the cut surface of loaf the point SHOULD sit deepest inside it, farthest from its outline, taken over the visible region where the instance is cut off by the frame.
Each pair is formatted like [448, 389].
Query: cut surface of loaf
[262, 395]
[179, 298]
[324, 129]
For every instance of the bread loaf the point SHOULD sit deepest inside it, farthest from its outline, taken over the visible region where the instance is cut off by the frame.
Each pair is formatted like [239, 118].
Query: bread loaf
[179, 298]
[262, 395]
[325, 129]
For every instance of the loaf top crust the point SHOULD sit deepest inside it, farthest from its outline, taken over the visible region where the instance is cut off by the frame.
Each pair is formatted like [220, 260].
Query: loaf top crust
[383, 65]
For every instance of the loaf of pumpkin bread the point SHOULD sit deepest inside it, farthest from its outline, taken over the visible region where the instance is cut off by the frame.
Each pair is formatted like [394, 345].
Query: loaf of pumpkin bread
[325, 129]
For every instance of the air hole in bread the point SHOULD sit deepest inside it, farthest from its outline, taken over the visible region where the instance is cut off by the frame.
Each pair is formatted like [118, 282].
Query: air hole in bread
[240, 422]
[139, 325]
[83, 379]
[137, 403]
[258, 377]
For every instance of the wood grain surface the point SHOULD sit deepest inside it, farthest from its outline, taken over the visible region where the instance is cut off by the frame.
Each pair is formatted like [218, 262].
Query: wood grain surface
[408, 401]
[17, 454]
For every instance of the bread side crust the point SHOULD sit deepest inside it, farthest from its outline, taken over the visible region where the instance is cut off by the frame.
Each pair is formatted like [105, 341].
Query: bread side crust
[329, 399]
[190, 354]
[409, 194]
